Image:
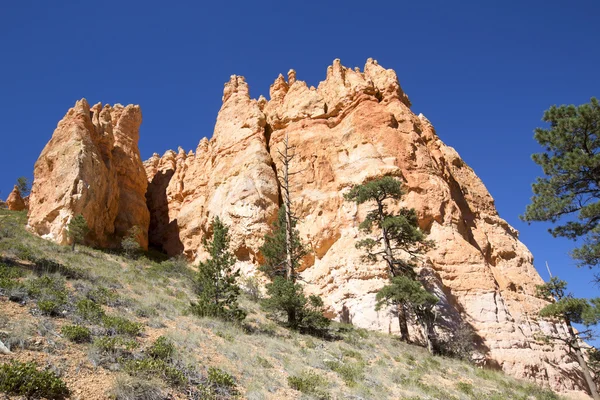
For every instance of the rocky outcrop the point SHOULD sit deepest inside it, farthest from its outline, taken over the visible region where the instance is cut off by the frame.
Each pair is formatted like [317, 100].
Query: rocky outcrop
[91, 166]
[15, 202]
[230, 176]
[355, 126]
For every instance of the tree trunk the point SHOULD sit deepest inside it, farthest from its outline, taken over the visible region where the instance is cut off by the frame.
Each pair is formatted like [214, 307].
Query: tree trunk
[288, 212]
[292, 318]
[404, 335]
[582, 363]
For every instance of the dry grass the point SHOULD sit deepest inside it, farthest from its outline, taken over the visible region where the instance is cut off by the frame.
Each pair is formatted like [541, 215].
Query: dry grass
[265, 360]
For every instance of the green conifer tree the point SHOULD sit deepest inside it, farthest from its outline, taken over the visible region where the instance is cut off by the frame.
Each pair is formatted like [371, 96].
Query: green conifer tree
[397, 233]
[77, 229]
[23, 186]
[570, 189]
[570, 310]
[216, 281]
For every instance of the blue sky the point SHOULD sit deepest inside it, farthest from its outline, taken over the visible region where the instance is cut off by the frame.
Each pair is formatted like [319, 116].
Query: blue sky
[482, 72]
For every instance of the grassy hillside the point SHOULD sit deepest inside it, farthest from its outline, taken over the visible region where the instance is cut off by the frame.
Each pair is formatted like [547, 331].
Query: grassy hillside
[112, 327]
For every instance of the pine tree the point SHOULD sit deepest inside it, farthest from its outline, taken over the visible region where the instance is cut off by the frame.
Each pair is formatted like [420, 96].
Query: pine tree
[412, 294]
[23, 186]
[216, 281]
[399, 234]
[570, 189]
[130, 243]
[77, 229]
[570, 310]
[283, 251]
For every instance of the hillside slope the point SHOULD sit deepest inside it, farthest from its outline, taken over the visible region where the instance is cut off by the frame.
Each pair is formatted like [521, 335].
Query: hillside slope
[128, 305]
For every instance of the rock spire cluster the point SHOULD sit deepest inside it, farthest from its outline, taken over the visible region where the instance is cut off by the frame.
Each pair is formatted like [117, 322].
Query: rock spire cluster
[354, 126]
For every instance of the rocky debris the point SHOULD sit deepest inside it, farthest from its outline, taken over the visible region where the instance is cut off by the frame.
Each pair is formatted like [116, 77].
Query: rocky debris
[3, 349]
[15, 202]
[91, 166]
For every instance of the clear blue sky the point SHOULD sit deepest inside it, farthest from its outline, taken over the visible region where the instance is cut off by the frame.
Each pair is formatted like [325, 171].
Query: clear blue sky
[482, 71]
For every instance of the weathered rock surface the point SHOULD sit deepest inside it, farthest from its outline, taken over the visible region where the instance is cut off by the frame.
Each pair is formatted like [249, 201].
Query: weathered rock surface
[15, 202]
[354, 127]
[230, 176]
[91, 166]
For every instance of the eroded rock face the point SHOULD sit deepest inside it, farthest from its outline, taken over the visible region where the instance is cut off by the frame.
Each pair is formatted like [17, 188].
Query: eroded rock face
[91, 166]
[15, 202]
[230, 176]
[354, 127]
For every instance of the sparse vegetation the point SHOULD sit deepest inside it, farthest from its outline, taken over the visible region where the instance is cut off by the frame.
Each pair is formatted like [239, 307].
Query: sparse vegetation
[310, 383]
[258, 355]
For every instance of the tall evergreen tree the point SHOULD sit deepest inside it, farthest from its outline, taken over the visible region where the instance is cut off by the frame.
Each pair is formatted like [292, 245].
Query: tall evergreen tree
[570, 190]
[399, 243]
[570, 310]
[77, 229]
[216, 281]
[283, 251]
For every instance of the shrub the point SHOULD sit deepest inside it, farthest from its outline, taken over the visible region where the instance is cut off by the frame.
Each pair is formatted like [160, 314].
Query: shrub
[148, 368]
[76, 333]
[309, 383]
[161, 349]
[9, 284]
[461, 344]
[287, 300]
[121, 325]
[102, 295]
[251, 286]
[131, 243]
[222, 381]
[350, 373]
[89, 310]
[131, 388]
[465, 387]
[51, 293]
[24, 379]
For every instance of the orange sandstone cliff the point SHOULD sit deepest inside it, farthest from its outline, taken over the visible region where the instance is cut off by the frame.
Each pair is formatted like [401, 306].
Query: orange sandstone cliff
[355, 126]
[91, 166]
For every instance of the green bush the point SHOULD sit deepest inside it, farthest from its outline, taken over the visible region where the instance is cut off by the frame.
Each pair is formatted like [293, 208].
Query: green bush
[350, 373]
[465, 387]
[51, 293]
[102, 295]
[127, 387]
[310, 383]
[148, 368]
[121, 325]
[9, 282]
[114, 344]
[76, 333]
[161, 349]
[89, 310]
[221, 379]
[24, 379]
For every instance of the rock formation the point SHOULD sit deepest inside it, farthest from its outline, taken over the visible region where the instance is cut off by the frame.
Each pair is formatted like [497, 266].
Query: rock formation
[354, 127]
[230, 176]
[15, 202]
[91, 166]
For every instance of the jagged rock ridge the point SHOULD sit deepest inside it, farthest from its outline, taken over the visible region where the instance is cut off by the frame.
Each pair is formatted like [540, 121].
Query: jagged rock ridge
[354, 127]
[91, 166]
